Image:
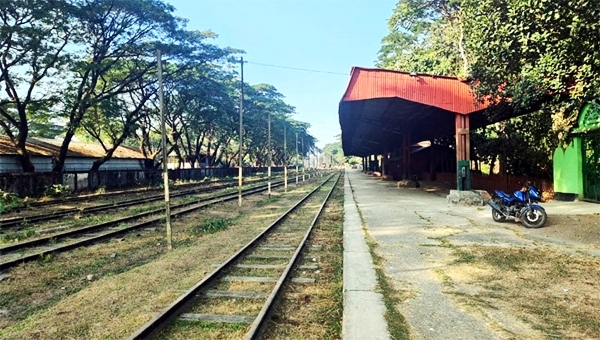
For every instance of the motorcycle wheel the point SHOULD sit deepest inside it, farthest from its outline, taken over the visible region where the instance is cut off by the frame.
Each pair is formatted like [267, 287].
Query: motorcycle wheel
[497, 216]
[534, 217]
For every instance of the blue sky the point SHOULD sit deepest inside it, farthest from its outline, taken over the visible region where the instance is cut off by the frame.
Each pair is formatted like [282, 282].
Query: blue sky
[323, 35]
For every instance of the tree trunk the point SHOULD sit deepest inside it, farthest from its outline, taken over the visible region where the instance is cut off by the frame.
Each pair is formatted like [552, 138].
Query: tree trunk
[25, 161]
[60, 162]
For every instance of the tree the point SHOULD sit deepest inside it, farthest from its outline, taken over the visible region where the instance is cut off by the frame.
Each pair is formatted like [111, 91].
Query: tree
[33, 38]
[536, 55]
[263, 100]
[426, 36]
[112, 34]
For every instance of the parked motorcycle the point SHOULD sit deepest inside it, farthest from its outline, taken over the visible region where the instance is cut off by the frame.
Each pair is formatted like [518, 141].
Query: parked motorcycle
[521, 204]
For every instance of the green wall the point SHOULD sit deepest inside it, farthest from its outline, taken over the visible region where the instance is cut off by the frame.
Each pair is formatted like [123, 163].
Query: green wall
[568, 169]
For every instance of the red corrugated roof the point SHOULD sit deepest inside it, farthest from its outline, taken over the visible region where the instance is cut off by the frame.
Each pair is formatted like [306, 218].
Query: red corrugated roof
[447, 93]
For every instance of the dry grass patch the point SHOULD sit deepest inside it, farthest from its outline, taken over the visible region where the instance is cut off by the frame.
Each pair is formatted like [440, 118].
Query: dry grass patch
[38, 285]
[227, 306]
[243, 286]
[114, 306]
[554, 292]
[185, 330]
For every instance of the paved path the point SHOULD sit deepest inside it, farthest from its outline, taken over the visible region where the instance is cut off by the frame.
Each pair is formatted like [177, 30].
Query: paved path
[409, 226]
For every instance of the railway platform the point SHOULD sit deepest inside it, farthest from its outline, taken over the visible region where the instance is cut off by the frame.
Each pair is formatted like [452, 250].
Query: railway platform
[409, 226]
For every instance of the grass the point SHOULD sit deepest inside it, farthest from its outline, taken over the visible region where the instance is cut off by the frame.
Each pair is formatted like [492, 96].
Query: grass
[314, 311]
[141, 279]
[211, 225]
[555, 293]
[397, 324]
[16, 237]
[392, 297]
[145, 208]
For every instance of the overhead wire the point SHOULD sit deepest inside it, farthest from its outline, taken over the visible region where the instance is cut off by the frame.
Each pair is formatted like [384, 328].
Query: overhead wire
[297, 68]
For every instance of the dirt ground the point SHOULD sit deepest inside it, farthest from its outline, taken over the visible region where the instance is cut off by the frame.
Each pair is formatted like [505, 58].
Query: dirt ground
[464, 276]
[578, 228]
[583, 229]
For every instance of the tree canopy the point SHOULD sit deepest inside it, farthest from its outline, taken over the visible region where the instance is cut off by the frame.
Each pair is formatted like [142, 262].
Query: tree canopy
[87, 69]
[537, 59]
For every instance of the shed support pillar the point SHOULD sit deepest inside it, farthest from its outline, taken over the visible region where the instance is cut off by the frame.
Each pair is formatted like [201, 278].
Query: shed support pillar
[385, 169]
[406, 156]
[463, 154]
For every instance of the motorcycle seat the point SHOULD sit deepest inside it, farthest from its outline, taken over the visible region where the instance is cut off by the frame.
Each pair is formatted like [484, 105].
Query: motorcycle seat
[502, 194]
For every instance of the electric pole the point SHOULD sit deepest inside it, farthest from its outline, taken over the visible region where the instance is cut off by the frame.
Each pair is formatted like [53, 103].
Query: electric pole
[240, 162]
[164, 152]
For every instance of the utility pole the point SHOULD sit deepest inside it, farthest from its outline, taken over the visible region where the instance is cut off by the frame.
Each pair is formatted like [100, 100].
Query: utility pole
[303, 174]
[163, 142]
[240, 162]
[296, 158]
[270, 154]
[285, 174]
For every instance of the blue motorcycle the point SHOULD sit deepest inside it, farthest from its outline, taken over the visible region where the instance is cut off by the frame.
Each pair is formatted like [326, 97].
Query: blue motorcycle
[521, 204]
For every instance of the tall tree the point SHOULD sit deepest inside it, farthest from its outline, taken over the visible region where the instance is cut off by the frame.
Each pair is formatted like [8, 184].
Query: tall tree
[33, 38]
[535, 55]
[110, 33]
[426, 36]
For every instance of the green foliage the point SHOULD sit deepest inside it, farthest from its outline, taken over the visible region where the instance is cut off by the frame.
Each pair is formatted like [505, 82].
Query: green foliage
[57, 190]
[426, 36]
[8, 202]
[103, 87]
[538, 55]
[523, 145]
[334, 154]
[210, 226]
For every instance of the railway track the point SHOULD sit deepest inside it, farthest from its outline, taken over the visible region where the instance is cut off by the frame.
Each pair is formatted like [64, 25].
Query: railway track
[17, 221]
[15, 254]
[250, 281]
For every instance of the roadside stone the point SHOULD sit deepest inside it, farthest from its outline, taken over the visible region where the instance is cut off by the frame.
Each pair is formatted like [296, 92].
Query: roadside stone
[90, 277]
[407, 183]
[464, 198]
[485, 196]
[113, 255]
[3, 312]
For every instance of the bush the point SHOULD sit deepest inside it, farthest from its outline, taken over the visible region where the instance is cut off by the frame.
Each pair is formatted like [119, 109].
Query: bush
[210, 226]
[57, 190]
[8, 202]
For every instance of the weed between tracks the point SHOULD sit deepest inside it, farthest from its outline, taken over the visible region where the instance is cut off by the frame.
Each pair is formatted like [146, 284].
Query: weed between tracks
[55, 299]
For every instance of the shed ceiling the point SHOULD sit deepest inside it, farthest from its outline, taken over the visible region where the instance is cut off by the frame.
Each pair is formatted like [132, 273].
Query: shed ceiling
[380, 106]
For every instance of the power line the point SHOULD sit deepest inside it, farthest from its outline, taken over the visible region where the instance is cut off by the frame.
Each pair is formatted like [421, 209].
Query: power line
[297, 69]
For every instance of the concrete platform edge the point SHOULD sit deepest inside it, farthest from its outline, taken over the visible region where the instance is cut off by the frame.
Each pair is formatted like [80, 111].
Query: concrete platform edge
[359, 280]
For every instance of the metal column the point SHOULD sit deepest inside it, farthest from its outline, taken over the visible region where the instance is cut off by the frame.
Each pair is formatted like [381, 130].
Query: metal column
[463, 153]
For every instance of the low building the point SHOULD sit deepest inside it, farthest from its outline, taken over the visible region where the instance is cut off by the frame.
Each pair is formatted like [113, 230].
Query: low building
[80, 156]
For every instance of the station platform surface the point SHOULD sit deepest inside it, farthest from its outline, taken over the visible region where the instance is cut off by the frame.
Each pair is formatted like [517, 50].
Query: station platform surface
[407, 225]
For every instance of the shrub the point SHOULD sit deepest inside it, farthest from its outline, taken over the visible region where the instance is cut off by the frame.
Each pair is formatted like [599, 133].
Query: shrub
[57, 190]
[8, 202]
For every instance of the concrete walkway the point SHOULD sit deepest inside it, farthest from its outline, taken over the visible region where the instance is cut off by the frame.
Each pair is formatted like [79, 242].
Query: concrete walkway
[363, 306]
[409, 226]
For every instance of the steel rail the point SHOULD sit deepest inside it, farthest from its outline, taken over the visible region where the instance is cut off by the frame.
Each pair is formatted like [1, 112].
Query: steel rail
[164, 318]
[86, 197]
[15, 221]
[259, 324]
[179, 210]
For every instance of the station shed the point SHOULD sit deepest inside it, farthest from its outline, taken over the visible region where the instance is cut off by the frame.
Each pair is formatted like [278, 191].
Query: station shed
[385, 111]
